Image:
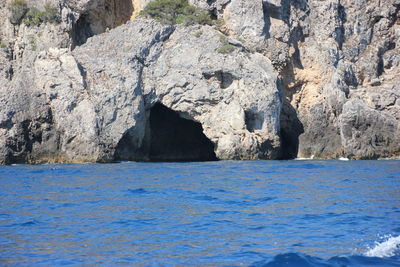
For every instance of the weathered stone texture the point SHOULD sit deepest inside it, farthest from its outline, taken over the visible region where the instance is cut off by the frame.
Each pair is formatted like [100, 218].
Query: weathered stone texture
[234, 96]
[98, 95]
[280, 79]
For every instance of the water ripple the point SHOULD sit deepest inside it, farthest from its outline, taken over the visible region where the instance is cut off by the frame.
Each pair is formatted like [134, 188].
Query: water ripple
[227, 213]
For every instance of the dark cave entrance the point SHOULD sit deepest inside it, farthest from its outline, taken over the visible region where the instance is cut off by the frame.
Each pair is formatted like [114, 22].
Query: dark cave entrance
[173, 138]
[291, 129]
[81, 30]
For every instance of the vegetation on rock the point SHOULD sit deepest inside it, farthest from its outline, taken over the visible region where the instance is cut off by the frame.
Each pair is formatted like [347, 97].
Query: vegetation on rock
[198, 33]
[51, 14]
[226, 47]
[31, 16]
[176, 12]
[18, 9]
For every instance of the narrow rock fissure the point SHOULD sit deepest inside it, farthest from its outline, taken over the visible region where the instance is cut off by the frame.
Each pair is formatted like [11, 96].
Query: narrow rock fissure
[172, 138]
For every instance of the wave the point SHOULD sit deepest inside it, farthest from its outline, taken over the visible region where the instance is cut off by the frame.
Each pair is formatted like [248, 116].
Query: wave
[301, 260]
[384, 253]
[304, 158]
[390, 247]
[312, 157]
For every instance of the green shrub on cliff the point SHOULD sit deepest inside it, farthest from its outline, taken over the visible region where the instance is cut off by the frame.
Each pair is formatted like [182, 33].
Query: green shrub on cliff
[18, 9]
[226, 47]
[20, 12]
[176, 12]
[36, 17]
[33, 17]
[50, 14]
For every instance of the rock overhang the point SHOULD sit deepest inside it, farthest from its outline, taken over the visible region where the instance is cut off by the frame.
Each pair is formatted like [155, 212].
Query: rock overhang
[130, 68]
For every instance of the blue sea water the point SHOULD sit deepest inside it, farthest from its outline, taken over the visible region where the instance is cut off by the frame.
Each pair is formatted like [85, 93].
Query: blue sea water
[227, 213]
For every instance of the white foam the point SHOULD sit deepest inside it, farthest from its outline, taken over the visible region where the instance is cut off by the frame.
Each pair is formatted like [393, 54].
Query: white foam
[388, 248]
[312, 157]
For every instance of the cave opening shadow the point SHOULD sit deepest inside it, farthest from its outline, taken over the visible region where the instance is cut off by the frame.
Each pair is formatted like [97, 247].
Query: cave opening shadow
[291, 129]
[81, 31]
[173, 138]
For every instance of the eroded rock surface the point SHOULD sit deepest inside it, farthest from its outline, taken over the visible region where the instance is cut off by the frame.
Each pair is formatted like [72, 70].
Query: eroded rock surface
[280, 79]
[360, 138]
[234, 96]
[99, 97]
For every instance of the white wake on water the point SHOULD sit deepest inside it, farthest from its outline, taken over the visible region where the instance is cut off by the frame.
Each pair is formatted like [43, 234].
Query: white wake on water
[388, 248]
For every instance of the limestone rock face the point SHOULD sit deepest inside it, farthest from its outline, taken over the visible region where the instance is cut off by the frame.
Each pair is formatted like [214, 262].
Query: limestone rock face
[216, 7]
[246, 18]
[114, 81]
[78, 112]
[367, 133]
[346, 43]
[280, 79]
[325, 52]
[83, 104]
[235, 96]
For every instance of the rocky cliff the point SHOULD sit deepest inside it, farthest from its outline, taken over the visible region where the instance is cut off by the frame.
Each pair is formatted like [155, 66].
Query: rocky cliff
[91, 81]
